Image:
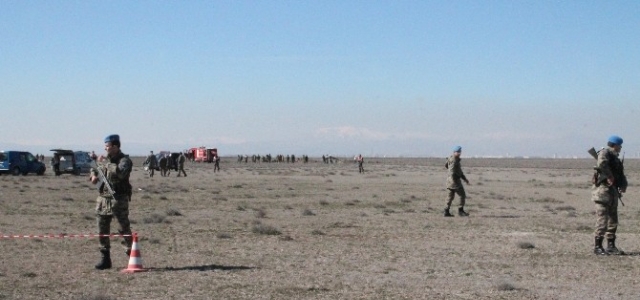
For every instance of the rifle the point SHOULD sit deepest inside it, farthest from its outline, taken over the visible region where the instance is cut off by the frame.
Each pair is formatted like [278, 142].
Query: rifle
[103, 180]
[619, 193]
[594, 154]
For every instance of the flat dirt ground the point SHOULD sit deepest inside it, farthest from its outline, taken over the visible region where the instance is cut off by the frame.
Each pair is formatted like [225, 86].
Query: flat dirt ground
[324, 231]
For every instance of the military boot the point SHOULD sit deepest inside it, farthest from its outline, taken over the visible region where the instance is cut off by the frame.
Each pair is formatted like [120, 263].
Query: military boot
[462, 213]
[597, 249]
[105, 263]
[611, 247]
[447, 213]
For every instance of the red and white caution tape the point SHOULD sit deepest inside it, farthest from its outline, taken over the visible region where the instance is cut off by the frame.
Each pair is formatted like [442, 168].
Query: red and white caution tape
[61, 235]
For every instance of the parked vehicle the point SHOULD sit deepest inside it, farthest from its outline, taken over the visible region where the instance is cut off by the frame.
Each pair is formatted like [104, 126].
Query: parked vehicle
[73, 162]
[202, 154]
[20, 162]
[83, 161]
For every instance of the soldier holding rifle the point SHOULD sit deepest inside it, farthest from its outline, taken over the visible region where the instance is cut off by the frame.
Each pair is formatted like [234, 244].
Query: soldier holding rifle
[609, 182]
[112, 173]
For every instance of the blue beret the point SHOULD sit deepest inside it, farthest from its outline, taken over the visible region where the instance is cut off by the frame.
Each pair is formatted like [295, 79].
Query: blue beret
[457, 149]
[112, 138]
[614, 139]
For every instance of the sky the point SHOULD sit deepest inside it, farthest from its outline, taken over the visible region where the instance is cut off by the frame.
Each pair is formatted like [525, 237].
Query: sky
[377, 78]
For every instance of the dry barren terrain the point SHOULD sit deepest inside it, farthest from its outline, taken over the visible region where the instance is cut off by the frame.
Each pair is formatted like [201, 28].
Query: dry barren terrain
[324, 231]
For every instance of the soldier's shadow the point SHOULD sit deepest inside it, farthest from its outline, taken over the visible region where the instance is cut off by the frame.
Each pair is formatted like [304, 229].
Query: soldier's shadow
[211, 267]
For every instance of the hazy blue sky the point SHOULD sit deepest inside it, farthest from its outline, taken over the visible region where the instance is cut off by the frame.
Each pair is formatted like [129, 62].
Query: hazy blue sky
[410, 78]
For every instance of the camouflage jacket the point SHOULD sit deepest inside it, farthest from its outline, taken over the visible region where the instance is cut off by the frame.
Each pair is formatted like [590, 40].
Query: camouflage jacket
[162, 163]
[610, 166]
[454, 180]
[151, 161]
[117, 170]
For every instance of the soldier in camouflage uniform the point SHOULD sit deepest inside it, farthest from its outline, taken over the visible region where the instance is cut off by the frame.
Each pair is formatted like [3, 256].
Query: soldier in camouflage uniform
[609, 183]
[163, 165]
[181, 159]
[151, 163]
[116, 167]
[454, 184]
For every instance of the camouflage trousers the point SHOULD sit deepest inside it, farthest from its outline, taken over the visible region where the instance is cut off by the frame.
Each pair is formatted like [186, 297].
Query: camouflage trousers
[453, 192]
[107, 208]
[181, 170]
[606, 211]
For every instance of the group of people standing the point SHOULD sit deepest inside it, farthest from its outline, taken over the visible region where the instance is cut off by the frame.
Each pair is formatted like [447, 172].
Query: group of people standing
[165, 164]
[40, 157]
[280, 158]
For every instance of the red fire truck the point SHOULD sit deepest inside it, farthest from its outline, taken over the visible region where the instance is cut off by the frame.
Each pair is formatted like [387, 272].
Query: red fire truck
[203, 154]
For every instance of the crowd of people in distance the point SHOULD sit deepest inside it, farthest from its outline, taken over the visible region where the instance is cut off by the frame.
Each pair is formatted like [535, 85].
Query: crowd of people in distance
[165, 162]
[280, 158]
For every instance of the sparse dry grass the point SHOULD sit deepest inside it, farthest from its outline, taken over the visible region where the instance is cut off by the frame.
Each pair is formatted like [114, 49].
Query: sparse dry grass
[525, 245]
[260, 213]
[264, 229]
[154, 219]
[316, 231]
[173, 212]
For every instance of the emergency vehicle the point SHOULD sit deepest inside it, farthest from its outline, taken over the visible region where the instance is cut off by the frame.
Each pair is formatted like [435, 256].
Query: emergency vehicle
[203, 154]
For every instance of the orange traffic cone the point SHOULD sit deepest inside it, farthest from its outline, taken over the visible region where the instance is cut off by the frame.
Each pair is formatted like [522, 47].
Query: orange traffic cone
[135, 260]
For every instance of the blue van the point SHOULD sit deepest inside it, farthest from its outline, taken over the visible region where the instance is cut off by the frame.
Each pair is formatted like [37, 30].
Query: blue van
[20, 162]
